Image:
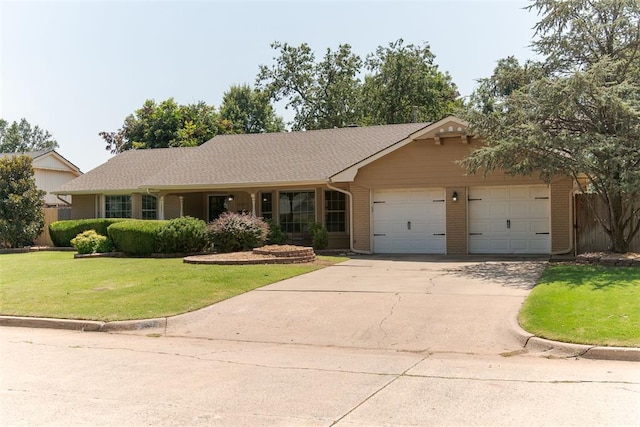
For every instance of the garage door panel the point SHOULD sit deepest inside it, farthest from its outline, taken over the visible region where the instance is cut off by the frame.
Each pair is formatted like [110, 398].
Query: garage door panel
[509, 220]
[409, 221]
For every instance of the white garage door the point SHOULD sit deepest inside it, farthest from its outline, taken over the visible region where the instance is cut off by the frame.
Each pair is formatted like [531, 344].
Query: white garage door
[509, 220]
[409, 221]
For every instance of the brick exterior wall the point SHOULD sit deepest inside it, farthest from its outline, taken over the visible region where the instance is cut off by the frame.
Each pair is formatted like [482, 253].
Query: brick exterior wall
[457, 227]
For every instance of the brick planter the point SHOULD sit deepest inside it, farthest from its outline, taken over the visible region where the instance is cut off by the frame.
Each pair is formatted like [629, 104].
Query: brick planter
[265, 255]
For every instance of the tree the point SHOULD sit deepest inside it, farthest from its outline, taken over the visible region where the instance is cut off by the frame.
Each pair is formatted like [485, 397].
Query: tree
[167, 124]
[323, 94]
[20, 137]
[250, 111]
[404, 77]
[21, 203]
[575, 113]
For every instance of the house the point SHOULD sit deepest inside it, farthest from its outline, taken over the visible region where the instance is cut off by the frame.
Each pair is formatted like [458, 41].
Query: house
[50, 170]
[379, 189]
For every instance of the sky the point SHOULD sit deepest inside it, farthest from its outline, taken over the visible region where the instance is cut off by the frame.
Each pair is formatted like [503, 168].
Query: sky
[76, 68]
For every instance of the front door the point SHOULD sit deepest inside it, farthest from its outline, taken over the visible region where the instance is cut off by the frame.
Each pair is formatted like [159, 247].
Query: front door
[217, 205]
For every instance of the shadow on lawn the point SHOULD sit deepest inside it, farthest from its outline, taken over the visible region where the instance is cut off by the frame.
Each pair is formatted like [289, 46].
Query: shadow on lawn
[596, 277]
[516, 274]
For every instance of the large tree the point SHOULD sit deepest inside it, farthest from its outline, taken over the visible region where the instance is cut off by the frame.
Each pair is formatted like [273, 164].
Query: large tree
[166, 124]
[323, 94]
[250, 111]
[20, 137]
[405, 85]
[21, 203]
[576, 112]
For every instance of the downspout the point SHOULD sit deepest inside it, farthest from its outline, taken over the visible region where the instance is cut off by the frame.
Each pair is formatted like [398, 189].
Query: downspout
[572, 230]
[351, 248]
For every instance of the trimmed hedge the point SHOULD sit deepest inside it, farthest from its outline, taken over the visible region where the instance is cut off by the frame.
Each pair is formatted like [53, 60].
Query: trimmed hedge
[182, 235]
[136, 236]
[62, 232]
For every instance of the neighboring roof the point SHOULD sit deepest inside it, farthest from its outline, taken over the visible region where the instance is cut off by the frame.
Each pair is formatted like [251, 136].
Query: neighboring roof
[35, 155]
[124, 172]
[243, 160]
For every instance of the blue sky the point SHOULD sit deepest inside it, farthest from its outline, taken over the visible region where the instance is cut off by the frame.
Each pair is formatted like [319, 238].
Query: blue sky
[77, 68]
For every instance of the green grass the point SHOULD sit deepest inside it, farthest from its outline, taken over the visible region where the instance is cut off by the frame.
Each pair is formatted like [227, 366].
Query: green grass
[585, 304]
[54, 284]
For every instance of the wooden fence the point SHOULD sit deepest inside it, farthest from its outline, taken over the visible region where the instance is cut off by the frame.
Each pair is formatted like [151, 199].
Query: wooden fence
[590, 236]
[51, 215]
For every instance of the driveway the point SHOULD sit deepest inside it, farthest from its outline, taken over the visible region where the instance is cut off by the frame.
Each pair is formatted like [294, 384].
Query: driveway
[409, 303]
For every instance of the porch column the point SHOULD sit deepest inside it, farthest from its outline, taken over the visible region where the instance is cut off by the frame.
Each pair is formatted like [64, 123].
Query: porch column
[181, 205]
[161, 208]
[253, 204]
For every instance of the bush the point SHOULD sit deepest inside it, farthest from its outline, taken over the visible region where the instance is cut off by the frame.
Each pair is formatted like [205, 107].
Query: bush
[236, 232]
[319, 236]
[182, 235]
[135, 236]
[275, 236]
[90, 242]
[62, 232]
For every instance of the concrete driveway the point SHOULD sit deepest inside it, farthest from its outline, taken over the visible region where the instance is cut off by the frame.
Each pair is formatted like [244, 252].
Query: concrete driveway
[409, 303]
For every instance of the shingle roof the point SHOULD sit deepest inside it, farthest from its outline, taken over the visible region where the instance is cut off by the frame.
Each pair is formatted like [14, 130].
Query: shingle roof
[234, 160]
[126, 171]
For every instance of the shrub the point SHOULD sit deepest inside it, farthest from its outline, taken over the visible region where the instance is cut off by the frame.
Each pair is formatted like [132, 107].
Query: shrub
[90, 242]
[136, 236]
[319, 236]
[275, 236]
[183, 235]
[63, 231]
[236, 232]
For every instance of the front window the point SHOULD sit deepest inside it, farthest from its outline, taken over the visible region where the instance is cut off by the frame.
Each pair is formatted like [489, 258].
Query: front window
[266, 206]
[296, 210]
[117, 206]
[335, 211]
[149, 207]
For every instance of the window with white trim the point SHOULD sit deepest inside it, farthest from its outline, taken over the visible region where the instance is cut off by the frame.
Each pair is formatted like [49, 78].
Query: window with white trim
[335, 211]
[297, 209]
[149, 207]
[266, 205]
[118, 206]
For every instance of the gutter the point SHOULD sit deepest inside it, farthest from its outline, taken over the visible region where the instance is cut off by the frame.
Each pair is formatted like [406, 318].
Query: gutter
[351, 248]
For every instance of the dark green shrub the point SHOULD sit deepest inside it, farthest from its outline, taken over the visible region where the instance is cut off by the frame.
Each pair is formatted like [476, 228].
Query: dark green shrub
[90, 242]
[236, 232]
[275, 236]
[136, 236]
[182, 235]
[319, 236]
[62, 232]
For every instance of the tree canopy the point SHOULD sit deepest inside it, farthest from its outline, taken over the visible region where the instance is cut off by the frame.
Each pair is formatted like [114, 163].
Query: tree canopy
[21, 203]
[332, 92]
[20, 137]
[249, 111]
[576, 112]
[166, 124]
[403, 77]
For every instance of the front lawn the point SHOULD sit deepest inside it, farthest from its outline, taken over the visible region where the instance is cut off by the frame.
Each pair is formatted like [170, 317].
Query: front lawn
[54, 284]
[585, 304]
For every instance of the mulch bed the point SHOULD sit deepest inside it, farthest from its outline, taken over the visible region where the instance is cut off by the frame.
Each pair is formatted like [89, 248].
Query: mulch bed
[629, 259]
[273, 254]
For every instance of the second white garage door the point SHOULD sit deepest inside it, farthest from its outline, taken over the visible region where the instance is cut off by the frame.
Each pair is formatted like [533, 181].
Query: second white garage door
[505, 220]
[409, 221]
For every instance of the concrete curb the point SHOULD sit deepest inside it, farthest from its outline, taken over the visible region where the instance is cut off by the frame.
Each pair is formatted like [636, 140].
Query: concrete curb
[82, 325]
[530, 342]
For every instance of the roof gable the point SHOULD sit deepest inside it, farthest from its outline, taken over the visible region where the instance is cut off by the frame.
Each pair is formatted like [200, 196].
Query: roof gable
[448, 127]
[48, 159]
